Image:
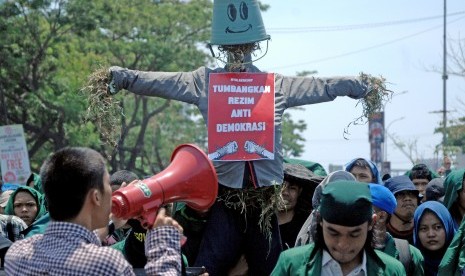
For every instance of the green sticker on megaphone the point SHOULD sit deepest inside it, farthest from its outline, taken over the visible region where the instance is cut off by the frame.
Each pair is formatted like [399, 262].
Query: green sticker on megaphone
[145, 190]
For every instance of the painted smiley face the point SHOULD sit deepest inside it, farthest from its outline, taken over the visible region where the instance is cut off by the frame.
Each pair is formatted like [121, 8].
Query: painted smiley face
[232, 11]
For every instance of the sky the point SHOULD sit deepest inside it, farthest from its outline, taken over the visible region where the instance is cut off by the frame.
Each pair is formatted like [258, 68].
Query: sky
[399, 40]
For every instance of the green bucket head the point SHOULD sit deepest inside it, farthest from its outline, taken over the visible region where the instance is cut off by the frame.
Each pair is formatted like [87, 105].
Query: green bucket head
[237, 22]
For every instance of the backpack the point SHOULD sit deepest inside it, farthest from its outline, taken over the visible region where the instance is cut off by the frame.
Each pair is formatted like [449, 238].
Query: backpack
[9, 229]
[405, 257]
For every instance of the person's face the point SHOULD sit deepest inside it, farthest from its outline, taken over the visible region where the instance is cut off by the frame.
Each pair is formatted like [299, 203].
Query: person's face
[25, 207]
[344, 243]
[290, 195]
[431, 232]
[407, 203]
[420, 184]
[447, 163]
[362, 174]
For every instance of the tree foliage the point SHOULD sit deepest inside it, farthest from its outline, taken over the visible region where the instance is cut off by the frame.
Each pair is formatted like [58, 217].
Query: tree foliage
[455, 128]
[48, 48]
[292, 139]
[455, 133]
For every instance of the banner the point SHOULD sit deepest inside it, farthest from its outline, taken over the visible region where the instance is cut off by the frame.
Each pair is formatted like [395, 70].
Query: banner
[14, 157]
[376, 128]
[376, 136]
[241, 116]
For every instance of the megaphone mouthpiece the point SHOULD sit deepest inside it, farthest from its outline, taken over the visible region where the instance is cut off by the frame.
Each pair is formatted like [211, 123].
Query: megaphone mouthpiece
[118, 206]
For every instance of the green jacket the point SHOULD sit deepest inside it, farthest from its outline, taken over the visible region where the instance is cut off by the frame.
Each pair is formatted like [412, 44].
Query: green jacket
[453, 184]
[417, 257]
[38, 226]
[453, 261]
[40, 201]
[306, 260]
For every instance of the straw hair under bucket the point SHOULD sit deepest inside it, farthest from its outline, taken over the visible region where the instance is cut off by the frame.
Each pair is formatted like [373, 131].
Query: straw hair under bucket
[237, 22]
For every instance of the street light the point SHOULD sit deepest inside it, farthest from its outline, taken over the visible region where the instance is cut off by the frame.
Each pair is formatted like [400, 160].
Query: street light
[386, 131]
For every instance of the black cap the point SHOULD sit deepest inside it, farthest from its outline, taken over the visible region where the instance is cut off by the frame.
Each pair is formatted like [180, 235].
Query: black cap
[346, 203]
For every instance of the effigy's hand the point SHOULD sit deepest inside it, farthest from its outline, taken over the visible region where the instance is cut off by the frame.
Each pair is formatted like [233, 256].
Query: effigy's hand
[103, 110]
[376, 96]
[111, 86]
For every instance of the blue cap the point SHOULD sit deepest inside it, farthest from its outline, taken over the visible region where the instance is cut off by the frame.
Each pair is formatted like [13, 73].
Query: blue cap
[400, 183]
[383, 198]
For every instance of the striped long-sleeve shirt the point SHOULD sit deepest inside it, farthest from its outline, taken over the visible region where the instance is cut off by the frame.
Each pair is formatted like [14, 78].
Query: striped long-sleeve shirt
[70, 249]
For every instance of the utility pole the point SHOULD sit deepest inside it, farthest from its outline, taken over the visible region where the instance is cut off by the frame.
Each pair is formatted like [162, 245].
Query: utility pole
[444, 80]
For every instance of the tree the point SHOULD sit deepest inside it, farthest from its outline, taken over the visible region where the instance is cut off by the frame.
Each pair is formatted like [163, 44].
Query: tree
[163, 36]
[48, 48]
[34, 91]
[292, 138]
[455, 132]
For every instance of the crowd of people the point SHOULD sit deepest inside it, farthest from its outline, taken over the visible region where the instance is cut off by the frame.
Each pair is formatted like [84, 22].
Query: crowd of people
[348, 222]
[272, 216]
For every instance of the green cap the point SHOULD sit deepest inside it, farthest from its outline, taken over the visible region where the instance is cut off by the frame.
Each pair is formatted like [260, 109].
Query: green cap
[346, 203]
[237, 22]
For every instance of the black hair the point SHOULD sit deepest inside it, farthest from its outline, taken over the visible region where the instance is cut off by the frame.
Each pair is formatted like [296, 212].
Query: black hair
[67, 177]
[360, 162]
[118, 177]
[30, 180]
[420, 171]
[386, 177]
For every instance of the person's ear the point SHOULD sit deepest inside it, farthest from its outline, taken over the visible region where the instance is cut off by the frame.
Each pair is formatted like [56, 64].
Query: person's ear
[95, 197]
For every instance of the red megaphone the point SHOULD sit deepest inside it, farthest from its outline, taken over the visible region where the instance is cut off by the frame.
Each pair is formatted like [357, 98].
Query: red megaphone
[190, 178]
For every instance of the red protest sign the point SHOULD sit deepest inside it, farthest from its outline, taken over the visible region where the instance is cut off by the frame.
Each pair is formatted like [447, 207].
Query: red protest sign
[241, 116]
